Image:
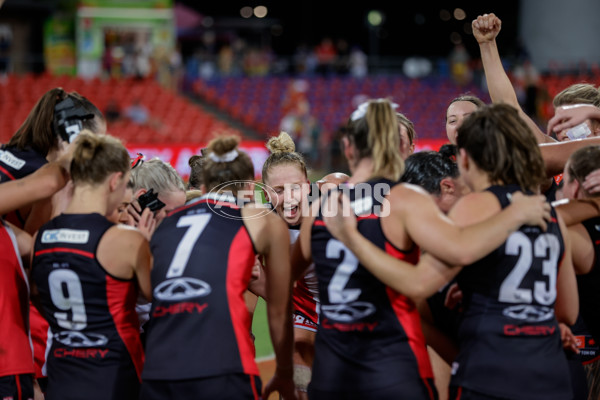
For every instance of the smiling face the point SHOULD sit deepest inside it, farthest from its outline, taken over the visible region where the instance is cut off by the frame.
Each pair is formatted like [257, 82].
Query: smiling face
[289, 193]
[455, 116]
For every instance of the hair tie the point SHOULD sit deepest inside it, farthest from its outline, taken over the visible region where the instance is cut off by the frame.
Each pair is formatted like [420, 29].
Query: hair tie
[227, 157]
[361, 111]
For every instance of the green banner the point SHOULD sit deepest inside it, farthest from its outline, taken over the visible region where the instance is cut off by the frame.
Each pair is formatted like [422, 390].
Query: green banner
[59, 46]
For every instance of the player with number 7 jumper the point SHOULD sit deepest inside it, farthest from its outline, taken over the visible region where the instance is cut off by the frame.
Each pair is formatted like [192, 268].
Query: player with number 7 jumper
[198, 339]
[369, 343]
[86, 273]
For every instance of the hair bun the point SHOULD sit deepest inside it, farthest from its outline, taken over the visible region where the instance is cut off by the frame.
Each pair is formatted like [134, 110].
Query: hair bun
[281, 144]
[223, 144]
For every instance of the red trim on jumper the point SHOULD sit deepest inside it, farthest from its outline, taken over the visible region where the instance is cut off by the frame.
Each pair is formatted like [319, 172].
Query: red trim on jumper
[458, 393]
[319, 222]
[239, 268]
[121, 297]
[370, 216]
[2, 169]
[427, 384]
[253, 385]
[411, 256]
[591, 361]
[207, 201]
[65, 250]
[409, 319]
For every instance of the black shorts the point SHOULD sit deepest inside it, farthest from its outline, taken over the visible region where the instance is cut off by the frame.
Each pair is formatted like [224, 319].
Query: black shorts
[418, 391]
[231, 386]
[16, 387]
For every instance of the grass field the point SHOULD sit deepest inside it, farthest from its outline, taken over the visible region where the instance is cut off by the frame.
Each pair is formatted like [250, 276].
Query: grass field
[260, 329]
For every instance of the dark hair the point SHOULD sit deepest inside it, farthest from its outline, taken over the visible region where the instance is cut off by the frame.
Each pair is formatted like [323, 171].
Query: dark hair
[501, 144]
[582, 162]
[196, 164]
[95, 157]
[427, 169]
[466, 97]
[216, 172]
[36, 131]
[449, 151]
[376, 135]
[283, 151]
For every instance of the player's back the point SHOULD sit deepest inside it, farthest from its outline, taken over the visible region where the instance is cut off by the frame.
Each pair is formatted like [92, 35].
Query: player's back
[369, 336]
[95, 349]
[508, 328]
[199, 324]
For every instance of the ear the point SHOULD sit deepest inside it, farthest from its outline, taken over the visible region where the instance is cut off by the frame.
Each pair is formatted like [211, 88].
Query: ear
[138, 193]
[115, 179]
[348, 150]
[595, 127]
[579, 191]
[447, 186]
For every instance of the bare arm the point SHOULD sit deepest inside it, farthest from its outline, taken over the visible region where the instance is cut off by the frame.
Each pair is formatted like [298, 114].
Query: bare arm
[567, 298]
[40, 185]
[415, 282]
[485, 29]
[272, 240]
[556, 154]
[574, 211]
[582, 249]
[462, 245]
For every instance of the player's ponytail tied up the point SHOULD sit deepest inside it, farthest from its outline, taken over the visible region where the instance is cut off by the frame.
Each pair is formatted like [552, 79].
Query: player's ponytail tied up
[283, 151]
[95, 157]
[226, 163]
[384, 140]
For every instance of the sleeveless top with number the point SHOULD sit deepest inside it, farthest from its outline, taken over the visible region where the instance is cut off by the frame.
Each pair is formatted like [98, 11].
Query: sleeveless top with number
[587, 327]
[369, 336]
[199, 324]
[509, 339]
[95, 349]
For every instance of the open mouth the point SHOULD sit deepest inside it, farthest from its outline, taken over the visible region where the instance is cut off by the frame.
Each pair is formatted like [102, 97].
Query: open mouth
[290, 211]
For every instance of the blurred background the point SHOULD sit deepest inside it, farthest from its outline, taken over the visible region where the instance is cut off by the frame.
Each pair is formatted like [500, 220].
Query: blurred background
[169, 74]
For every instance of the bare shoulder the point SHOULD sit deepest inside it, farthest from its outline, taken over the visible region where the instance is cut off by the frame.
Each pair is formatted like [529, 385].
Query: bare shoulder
[406, 196]
[474, 207]
[124, 236]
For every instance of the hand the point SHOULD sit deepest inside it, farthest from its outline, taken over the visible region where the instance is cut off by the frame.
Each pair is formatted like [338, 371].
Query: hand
[486, 27]
[571, 115]
[339, 216]
[147, 223]
[285, 387]
[592, 182]
[135, 211]
[533, 210]
[37, 391]
[569, 341]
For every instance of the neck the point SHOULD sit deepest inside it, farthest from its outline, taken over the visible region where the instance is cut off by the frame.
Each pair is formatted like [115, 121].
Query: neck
[480, 182]
[363, 171]
[88, 199]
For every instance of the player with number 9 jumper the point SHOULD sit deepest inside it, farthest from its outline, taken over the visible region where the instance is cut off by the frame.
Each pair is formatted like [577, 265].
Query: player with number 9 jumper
[87, 272]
